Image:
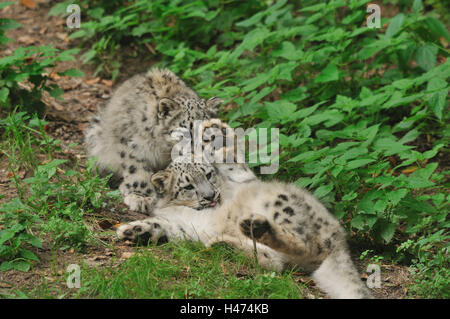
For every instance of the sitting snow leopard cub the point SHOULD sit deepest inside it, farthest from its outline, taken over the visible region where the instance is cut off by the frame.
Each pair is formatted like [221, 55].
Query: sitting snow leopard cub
[131, 136]
[287, 225]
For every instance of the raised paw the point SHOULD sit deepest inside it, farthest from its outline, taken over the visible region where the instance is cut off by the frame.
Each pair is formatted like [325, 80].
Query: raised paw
[218, 138]
[139, 203]
[143, 232]
[256, 227]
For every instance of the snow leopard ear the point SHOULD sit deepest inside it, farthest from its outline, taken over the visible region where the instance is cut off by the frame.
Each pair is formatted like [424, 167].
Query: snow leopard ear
[167, 107]
[212, 105]
[162, 180]
[214, 102]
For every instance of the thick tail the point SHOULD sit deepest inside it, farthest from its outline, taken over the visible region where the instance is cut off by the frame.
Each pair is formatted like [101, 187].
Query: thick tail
[338, 277]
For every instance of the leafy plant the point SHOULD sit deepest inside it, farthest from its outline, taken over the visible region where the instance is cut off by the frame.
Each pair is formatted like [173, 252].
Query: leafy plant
[53, 202]
[166, 27]
[16, 236]
[29, 65]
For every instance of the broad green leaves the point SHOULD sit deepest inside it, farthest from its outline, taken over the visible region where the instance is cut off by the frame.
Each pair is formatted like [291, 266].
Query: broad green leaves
[395, 25]
[426, 56]
[330, 73]
[280, 110]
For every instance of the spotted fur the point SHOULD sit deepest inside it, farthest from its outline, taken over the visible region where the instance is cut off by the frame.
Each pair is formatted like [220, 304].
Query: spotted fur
[132, 136]
[289, 226]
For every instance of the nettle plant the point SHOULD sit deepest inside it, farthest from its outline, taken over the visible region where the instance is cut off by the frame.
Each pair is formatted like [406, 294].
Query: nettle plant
[157, 27]
[360, 111]
[30, 66]
[53, 203]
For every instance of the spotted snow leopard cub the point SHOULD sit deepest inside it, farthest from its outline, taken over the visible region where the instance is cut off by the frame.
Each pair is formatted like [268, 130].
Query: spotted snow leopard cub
[285, 224]
[131, 136]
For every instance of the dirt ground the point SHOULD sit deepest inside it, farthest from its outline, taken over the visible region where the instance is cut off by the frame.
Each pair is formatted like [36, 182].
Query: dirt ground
[67, 120]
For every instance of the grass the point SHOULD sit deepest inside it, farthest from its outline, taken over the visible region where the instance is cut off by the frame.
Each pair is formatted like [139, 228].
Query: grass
[174, 270]
[188, 270]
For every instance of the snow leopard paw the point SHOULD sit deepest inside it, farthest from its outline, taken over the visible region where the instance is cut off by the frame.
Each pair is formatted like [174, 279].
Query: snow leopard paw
[218, 139]
[139, 203]
[256, 227]
[143, 232]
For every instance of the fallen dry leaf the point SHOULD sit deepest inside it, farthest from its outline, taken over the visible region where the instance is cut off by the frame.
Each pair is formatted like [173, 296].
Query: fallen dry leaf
[5, 285]
[410, 169]
[108, 82]
[26, 39]
[30, 4]
[127, 254]
[224, 269]
[92, 81]
[54, 76]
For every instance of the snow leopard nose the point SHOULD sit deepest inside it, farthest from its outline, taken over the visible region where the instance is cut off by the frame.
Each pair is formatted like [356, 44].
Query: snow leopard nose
[209, 196]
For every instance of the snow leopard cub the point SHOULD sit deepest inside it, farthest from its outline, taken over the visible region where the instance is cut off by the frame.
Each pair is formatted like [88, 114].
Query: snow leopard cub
[131, 136]
[287, 225]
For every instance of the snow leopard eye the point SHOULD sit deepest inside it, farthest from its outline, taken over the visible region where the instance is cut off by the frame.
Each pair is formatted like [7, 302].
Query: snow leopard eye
[189, 187]
[209, 175]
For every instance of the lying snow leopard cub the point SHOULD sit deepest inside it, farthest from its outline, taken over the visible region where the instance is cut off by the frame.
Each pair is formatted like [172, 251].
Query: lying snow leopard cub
[131, 136]
[289, 227]
[190, 184]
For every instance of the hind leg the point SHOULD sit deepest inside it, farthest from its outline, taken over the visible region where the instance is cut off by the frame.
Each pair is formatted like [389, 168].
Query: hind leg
[266, 257]
[339, 278]
[258, 227]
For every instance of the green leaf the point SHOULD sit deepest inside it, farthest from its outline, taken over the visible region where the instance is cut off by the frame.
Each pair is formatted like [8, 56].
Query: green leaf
[376, 46]
[253, 83]
[389, 146]
[437, 27]
[323, 190]
[280, 109]
[358, 163]
[417, 5]
[6, 265]
[288, 51]
[20, 265]
[330, 73]
[358, 222]
[387, 231]
[255, 19]
[4, 92]
[426, 56]
[77, 34]
[396, 196]
[5, 236]
[34, 241]
[29, 255]
[395, 25]
[56, 92]
[437, 100]
[72, 73]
